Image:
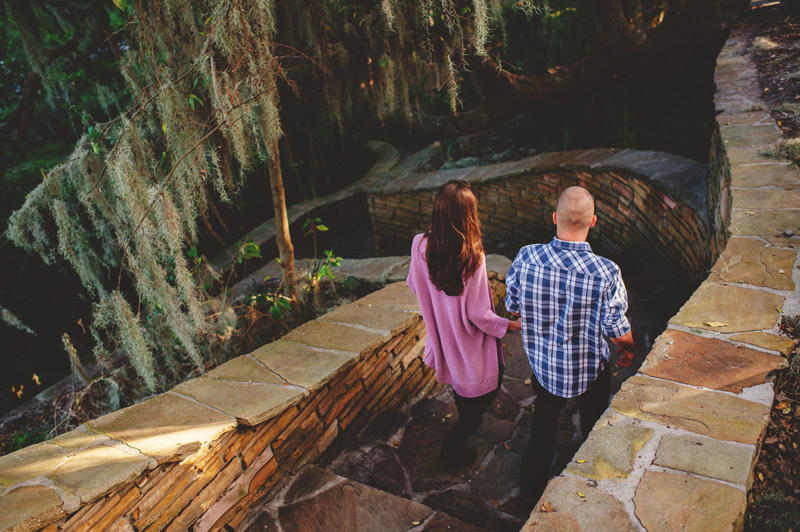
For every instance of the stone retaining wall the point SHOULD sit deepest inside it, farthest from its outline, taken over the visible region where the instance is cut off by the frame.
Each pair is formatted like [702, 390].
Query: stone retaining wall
[676, 448]
[651, 201]
[200, 453]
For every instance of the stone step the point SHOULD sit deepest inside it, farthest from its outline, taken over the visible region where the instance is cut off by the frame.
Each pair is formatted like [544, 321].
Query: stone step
[317, 499]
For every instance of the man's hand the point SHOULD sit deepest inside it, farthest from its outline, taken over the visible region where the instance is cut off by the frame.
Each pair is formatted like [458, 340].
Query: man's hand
[515, 325]
[626, 345]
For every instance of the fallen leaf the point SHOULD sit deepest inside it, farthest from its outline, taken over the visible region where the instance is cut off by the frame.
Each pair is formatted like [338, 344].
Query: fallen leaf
[495, 502]
[581, 461]
[781, 405]
[415, 523]
[527, 381]
[507, 446]
[448, 416]
[581, 495]
[716, 324]
[547, 507]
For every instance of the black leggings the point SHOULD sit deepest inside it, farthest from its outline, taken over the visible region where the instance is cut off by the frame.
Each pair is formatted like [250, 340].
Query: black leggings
[470, 415]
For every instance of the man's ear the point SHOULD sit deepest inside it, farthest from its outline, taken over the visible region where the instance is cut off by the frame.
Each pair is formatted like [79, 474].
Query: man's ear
[594, 220]
[554, 219]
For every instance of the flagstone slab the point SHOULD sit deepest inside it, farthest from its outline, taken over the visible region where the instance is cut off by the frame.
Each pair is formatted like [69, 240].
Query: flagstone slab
[758, 198]
[596, 511]
[760, 175]
[749, 135]
[750, 117]
[96, 471]
[666, 502]
[249, 403]
[498, 264]
[747, 155]
[167, 427]
[29, 508]
[774, 342]
[718, 307]
[302, 365]
[387, 320]
[765, 222]
[707, 457]
[610, 451]
[713, 414]
[328, 335]
[373, 269]
[396, 295]
[29, 463]
[691, 359]
[244, 369]
[750, 261]
[75, 440]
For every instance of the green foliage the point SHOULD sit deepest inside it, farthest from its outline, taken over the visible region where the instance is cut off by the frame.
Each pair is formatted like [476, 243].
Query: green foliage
[247, 250]
[26, 438]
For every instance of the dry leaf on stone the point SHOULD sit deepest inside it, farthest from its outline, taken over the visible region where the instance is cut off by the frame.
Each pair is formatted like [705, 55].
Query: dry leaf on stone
[581, 495]
[547, 507]
[716, 324]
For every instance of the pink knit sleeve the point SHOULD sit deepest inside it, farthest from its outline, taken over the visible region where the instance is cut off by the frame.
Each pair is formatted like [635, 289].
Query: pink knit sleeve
[478, 304]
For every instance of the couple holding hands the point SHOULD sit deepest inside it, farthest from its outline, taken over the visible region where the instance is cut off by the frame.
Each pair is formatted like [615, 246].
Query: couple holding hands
[566, 297]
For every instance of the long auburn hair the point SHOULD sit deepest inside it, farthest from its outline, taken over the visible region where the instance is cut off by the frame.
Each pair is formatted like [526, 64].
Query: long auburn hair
[454, 237]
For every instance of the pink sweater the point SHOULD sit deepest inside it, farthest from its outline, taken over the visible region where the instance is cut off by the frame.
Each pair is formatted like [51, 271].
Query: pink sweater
[462, 330]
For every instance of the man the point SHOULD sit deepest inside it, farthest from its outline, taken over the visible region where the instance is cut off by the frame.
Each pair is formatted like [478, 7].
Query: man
[568, 298]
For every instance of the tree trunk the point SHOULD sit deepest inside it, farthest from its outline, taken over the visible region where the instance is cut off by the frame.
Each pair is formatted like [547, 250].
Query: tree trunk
[282, 236]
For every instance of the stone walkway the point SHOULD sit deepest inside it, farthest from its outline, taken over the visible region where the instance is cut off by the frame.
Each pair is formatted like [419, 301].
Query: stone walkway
[392, 468]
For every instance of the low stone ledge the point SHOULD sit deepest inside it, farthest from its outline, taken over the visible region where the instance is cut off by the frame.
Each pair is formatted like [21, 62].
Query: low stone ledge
[695, 360]
[703, 412]
[245, 369]
[771, 173]
[395, 295]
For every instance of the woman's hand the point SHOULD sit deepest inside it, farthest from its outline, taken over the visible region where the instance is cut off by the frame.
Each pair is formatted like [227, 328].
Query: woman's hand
[515, 325]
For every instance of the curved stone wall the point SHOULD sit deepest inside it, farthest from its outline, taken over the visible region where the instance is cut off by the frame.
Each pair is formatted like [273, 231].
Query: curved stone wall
[650, 201]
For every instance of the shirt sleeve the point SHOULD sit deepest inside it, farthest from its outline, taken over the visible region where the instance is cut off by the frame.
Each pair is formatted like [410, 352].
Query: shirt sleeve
[615, 304]
[478, 304]
[512, 286]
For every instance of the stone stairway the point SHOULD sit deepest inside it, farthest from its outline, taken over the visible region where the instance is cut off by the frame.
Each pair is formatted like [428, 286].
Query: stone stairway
[388, 477]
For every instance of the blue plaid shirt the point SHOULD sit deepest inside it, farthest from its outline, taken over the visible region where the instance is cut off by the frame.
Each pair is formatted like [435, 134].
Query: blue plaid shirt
[568, 298]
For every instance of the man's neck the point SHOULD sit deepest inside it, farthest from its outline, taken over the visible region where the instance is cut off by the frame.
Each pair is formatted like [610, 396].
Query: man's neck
[572, 236]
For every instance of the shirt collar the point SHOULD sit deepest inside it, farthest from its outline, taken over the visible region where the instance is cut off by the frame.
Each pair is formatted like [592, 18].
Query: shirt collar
[573, 246]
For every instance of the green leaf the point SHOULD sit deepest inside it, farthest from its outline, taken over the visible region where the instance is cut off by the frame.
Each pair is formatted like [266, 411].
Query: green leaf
[321, 227]
[191, 103]
[122, 4]
[195, 82]
[275, 313]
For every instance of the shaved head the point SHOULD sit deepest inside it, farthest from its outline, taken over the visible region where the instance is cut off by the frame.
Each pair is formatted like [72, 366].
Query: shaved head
[575, 208]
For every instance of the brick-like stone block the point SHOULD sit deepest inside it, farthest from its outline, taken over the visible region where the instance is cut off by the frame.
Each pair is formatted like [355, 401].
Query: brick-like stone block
[749, 261]
[244, 369]
[781, 344]
[385, 321]
[396, 295]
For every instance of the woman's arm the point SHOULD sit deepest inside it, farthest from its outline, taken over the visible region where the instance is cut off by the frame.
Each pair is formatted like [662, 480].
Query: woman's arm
[479, 307]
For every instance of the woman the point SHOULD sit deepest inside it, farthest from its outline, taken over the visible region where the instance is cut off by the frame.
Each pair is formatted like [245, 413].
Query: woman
[448, 276]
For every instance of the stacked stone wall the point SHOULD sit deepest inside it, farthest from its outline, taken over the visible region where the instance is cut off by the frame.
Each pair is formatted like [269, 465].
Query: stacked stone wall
[198, 455]
[516, 202]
